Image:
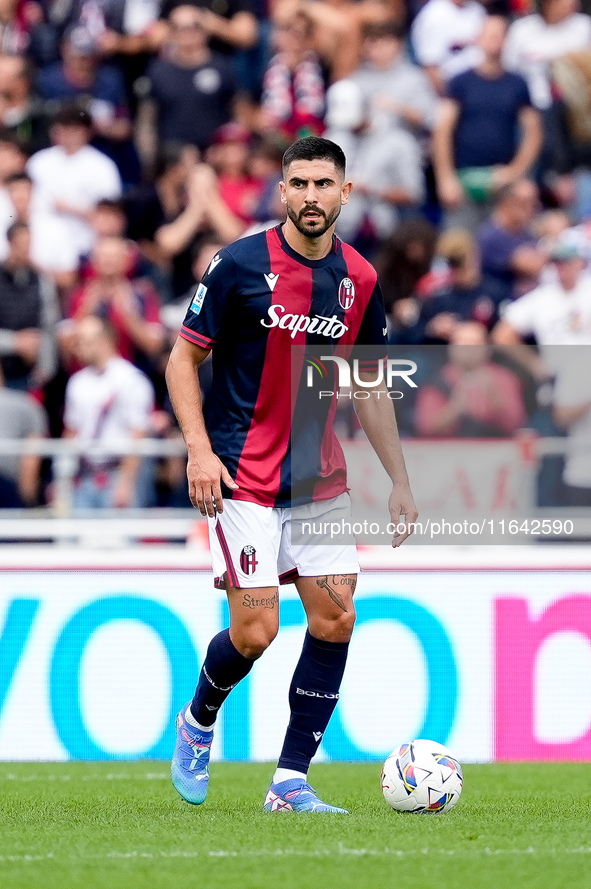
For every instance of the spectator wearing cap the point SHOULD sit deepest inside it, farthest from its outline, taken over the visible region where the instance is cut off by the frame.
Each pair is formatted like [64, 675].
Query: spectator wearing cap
[392, 85]
[190, 90]
[229, 155]
[72, 176]
[384, 164]
[292, 103]
[82, 76]
[488, 133]
[468, 295]
[557, 313]
[22, 113]
[509, 250]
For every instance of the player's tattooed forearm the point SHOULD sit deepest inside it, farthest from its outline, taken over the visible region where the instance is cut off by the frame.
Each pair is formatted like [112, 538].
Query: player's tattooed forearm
[270, 602]
[330, 584]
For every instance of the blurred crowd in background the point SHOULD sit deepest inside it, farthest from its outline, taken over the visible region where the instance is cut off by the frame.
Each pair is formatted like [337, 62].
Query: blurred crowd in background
[137, 137]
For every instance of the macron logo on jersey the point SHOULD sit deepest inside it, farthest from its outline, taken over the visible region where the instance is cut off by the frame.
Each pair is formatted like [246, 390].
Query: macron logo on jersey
[319, 324]
[271, 280]
[214, 262]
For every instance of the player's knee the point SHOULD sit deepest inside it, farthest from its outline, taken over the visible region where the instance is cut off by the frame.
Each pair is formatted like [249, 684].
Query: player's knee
[337, 628]
[254, 641]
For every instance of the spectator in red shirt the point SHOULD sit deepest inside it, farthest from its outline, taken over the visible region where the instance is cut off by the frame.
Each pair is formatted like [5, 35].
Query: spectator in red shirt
[229, 155]
[471, 397]
[131, 306]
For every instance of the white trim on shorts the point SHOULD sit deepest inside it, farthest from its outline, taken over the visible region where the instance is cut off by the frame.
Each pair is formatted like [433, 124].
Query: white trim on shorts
[253, 545]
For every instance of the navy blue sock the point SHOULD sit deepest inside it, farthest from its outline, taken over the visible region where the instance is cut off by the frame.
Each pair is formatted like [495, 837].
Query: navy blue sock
[222, 669]
[313, 695]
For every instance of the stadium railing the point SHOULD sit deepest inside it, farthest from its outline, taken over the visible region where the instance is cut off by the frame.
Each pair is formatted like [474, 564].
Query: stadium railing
[57, 522]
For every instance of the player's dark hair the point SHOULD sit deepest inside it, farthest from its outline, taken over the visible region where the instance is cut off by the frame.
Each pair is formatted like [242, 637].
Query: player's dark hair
[315, 148]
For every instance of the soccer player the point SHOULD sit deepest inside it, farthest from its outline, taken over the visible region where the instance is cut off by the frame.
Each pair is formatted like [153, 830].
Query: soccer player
[296, 284]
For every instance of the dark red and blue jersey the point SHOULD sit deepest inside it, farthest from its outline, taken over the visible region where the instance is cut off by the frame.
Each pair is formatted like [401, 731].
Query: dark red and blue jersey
[259, 307]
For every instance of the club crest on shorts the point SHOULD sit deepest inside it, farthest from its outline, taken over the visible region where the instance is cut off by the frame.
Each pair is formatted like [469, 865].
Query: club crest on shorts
[248, 559]
[346, 293]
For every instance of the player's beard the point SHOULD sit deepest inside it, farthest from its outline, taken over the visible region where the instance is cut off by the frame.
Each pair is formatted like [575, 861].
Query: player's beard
[320, 227]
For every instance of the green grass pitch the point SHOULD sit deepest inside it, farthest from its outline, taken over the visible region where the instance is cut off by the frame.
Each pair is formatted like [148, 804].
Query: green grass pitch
[122, 826]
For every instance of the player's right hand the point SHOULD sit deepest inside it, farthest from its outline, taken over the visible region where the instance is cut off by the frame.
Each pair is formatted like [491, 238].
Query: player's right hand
[205, 475]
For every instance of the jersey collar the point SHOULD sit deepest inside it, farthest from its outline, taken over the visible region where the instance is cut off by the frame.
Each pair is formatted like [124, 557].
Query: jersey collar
[303, 260]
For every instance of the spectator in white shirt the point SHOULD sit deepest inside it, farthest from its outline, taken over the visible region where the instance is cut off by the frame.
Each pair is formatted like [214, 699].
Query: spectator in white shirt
[51, 250]
[535, 41]
[557, 313]
[72, 176]
[384, 163]
[109, 402]
[443, 36]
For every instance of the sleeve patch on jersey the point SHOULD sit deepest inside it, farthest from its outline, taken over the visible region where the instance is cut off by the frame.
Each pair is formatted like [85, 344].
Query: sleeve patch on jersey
[197, 303]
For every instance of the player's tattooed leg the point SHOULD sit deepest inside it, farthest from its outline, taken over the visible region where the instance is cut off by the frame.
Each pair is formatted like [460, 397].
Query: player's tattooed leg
[268, 602]
[331, 584]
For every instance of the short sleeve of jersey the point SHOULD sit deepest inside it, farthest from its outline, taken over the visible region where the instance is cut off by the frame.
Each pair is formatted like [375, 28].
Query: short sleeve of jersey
[373, 330]
[210, 301]
[371, 342]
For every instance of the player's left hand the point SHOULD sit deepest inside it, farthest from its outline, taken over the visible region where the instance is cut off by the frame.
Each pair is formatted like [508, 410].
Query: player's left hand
[403, 511]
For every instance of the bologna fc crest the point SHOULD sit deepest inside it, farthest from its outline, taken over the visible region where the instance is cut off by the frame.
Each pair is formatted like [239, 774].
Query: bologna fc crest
[346, 293]
[248, 560]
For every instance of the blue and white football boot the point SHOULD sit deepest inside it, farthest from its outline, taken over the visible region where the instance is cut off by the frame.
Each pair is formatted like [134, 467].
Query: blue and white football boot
[297, 796]
[190, 761]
